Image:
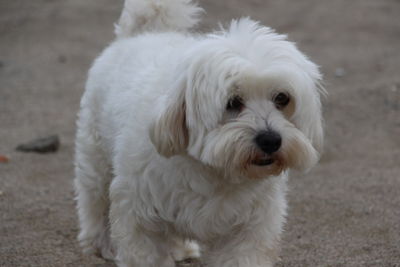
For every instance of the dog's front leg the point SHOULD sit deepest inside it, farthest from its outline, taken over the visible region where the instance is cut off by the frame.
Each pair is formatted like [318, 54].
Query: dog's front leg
[138, 240]
[246, 248]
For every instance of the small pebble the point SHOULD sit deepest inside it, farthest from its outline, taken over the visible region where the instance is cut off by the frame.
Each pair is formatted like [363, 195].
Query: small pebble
[42, 145]
[61, 59]
[3, 159]
[340, 72]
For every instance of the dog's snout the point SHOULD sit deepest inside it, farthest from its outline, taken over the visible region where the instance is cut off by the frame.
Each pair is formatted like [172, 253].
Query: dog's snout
[268, 141]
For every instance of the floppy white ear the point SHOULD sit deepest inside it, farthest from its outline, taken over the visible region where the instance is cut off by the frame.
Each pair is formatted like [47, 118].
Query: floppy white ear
[313, 125]
[169, 132]
[317, 135]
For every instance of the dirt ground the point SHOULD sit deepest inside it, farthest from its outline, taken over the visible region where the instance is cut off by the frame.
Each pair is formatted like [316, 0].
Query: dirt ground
[345, 212]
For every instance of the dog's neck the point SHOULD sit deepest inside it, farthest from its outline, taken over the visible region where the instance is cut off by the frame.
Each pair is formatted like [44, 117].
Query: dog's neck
[219, 178]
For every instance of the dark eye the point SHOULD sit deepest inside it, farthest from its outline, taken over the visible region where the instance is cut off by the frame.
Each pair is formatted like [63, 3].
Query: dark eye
[281, 100]
[235, 103]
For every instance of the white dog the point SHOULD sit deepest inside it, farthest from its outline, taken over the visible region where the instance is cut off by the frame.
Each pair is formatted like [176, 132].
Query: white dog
[189, 137]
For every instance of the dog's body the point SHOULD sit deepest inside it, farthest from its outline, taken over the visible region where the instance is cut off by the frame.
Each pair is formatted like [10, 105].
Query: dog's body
[162, 154]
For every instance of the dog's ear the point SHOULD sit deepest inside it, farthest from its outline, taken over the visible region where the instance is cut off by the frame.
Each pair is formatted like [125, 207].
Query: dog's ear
[315, 133]
[169, 132]
[313, 125]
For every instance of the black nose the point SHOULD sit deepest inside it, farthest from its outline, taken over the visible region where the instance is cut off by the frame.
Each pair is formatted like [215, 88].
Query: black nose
[268, 141]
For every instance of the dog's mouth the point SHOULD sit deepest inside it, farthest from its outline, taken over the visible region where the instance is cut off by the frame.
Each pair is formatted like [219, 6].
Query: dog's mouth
[264, 160]
[262, 165]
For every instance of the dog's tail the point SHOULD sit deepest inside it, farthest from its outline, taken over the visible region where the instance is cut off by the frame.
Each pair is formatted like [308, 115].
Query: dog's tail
[156, 15]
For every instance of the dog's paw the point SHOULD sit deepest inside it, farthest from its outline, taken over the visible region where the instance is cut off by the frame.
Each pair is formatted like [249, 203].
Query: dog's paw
[105, 249]
[188, 262]
[99, 245]
[186, 253]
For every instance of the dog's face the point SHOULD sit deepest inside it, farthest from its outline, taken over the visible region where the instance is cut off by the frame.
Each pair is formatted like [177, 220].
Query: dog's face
[247, 103]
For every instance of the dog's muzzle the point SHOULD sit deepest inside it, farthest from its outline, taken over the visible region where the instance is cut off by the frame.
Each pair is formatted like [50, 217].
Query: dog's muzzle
[268, 142]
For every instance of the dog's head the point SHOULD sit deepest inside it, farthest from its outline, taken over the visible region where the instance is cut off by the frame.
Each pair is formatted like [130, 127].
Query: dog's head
[246, 102]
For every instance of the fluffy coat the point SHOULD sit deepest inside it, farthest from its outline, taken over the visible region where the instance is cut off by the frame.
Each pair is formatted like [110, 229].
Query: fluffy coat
[162, 165]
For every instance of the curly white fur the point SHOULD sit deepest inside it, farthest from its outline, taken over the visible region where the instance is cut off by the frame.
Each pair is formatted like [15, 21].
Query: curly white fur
[159, 158]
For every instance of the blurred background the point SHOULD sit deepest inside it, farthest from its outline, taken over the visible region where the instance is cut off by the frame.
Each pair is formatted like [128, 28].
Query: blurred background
[345, 212]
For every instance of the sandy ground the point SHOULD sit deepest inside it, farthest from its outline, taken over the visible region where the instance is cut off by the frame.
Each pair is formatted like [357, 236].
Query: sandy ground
[346, 212]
